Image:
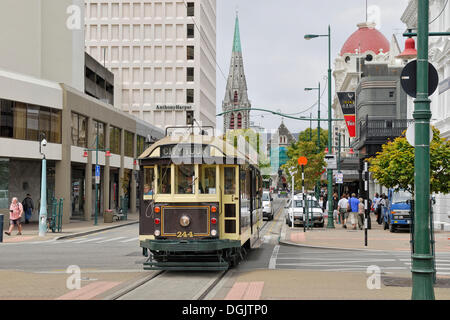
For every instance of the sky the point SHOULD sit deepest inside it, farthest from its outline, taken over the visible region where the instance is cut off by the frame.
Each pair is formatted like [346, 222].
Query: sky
[279, 63]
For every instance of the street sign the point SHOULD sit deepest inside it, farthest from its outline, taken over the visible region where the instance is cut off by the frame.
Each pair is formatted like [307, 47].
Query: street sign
[97, 174]
[339, 178]
[331, 162]
[408, 79]
[411, 137]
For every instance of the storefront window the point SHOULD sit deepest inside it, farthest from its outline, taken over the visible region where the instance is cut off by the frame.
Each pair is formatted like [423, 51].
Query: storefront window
[20, 121]
[6, 119]
[114, 140]
[185, 179]
[140, 148]
[4, 183]
[129, 144]
[82, 131]
[44, 122]
[164, 184]
[55, 135]
[100, 131]
[207, 182]
[32, 123]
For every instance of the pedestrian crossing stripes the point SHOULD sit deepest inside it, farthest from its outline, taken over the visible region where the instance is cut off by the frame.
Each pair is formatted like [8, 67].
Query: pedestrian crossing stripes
[342, 260]
[82, 241]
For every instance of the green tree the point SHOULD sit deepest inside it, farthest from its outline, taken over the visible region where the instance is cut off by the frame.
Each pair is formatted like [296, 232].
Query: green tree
[313, 169]
[393, 167]
[306, 136]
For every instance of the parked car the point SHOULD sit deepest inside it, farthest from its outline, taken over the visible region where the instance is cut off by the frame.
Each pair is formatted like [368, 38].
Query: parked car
[267, 202]
[299, 217]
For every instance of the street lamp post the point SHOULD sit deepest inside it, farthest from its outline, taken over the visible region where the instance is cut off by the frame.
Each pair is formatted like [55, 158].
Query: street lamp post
[329, 171]
[422, 262]
[318, 133]
[97, 179]
[43, 206]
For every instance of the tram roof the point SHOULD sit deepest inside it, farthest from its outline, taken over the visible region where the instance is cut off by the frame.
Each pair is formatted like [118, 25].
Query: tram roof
[226, 149]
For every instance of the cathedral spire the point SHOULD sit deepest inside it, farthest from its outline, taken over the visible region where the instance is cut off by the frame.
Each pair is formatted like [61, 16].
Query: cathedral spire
[237, 36]
[236, 90]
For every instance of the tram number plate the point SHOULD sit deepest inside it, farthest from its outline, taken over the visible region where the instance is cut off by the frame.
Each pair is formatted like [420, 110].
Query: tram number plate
[185, 234]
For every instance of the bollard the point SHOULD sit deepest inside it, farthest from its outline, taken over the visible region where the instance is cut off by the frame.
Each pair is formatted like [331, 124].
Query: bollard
[2, 216]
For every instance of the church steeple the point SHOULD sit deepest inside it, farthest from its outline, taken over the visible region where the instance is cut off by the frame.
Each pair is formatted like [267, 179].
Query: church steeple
[236, 90]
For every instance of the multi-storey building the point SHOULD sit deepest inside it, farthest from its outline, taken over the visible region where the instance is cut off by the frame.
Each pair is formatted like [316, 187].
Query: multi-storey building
[43, 95]
[162, 54]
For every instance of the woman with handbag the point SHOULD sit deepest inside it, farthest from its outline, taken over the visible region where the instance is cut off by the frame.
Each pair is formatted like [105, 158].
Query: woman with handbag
[15, 214]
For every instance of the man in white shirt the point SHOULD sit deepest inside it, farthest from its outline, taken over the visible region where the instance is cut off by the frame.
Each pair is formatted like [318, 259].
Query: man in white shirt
[342, 208]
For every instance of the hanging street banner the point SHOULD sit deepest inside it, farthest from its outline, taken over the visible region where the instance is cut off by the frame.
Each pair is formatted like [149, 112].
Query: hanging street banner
[348, 101]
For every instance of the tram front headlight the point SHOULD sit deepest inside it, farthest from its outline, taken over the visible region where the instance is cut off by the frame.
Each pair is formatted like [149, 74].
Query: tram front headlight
[185, 221]
[214, 233]
[157, 233]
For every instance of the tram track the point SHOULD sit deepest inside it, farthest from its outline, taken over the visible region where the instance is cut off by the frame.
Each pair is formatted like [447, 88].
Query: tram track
[159, 285]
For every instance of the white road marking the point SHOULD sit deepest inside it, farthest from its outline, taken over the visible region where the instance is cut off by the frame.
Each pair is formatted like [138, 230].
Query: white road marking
[338, 259]
[89, 240]
[129, 240]
[273, 258]
[112, 239]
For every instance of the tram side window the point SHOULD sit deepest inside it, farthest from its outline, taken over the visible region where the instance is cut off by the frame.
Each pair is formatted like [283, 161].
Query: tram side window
[185, 179]
[207, 182]
[230, 183]
[164, 173]
[149, 183]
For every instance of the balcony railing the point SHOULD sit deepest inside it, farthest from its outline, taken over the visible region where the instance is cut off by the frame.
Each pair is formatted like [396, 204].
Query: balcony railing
[382, 129]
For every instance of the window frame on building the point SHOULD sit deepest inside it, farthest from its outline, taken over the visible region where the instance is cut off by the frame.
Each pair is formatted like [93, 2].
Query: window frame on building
[189, 95]
[190, 74]
[129, 144]
[190, 53]
[190, 31]
[115, 139]
[190, 9]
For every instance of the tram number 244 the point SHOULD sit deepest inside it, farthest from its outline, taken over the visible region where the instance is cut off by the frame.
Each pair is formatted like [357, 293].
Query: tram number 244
[185, 234]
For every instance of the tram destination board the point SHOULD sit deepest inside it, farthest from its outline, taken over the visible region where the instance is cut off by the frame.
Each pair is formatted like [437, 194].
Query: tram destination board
[185, 150]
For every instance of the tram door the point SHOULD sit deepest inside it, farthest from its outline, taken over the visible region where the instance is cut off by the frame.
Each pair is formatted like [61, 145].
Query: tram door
[230, 202]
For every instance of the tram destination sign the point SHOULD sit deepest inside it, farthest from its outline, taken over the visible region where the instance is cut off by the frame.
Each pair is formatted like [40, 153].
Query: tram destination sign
[185, 151]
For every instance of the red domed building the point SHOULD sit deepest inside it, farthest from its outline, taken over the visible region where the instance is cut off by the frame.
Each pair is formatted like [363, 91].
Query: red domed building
[367, 68]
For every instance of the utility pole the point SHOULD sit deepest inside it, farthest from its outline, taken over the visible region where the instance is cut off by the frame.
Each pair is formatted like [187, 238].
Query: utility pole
[422, 262]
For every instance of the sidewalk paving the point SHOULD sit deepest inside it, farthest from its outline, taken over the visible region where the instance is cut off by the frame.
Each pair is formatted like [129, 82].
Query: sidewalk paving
[75, 228]
[378, 239]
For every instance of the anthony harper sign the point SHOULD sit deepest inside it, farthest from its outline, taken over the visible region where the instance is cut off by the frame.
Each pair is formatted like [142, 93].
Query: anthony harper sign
[172, 108]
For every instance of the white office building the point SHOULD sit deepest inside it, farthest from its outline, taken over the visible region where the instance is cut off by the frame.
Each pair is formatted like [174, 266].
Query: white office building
[162, 54]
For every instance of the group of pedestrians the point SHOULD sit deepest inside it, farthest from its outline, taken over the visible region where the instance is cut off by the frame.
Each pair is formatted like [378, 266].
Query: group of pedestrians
[349, 209]
[17, 210]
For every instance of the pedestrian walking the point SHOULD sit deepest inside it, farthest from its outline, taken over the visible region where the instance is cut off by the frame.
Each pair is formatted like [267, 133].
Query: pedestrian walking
[15, 214]
[321, 203]
[335, 207]
[343, 210]
[28, 208]
[384, 203]
[361, 211]
[353, 204]
[376, 206]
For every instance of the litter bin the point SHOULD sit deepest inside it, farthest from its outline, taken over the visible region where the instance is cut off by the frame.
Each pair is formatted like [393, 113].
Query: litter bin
[108, 216]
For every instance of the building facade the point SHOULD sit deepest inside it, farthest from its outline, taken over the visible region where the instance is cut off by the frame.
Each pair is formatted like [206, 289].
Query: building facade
[162, 54]
[439, 56]
[236, 96]
[41, 98]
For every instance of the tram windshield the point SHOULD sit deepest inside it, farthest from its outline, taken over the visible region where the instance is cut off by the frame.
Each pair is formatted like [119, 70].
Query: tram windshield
[164, 185]
[185, 179]
[207, 181]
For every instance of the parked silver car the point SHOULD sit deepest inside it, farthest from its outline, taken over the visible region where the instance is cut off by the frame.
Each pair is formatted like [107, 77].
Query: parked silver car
[314, 208]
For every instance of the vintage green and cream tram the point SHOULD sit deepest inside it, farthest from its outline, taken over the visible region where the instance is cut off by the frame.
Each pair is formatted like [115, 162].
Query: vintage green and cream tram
[201, 206]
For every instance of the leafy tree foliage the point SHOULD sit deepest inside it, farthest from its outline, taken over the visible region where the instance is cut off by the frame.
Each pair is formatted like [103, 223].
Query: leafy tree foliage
[393, 167]
[312, 170]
